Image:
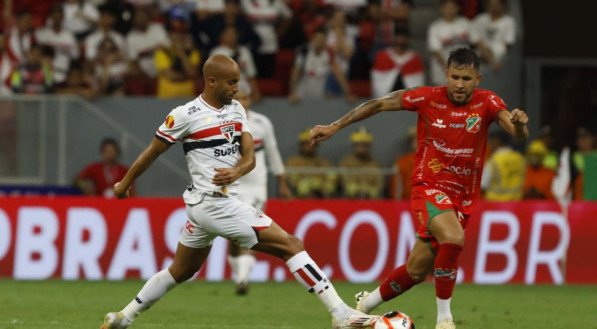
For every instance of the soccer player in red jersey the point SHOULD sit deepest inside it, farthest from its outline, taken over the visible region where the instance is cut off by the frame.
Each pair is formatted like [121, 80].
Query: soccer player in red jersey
[452, 126]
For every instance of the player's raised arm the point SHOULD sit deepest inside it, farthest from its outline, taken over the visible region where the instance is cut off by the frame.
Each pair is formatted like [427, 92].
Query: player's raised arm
[225, 176]
[143, 161]
[389, 102]
[515, 123]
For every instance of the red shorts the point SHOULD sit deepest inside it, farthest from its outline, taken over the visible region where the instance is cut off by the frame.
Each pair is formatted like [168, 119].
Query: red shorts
[426, 203]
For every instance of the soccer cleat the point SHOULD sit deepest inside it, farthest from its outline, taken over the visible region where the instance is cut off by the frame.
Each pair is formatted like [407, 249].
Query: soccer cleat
[355, 321]
[446, 324]
[242, 288]
[359, 297]
[115, 320]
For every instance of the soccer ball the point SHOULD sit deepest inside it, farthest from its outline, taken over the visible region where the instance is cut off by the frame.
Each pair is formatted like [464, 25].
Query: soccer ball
[394, 320]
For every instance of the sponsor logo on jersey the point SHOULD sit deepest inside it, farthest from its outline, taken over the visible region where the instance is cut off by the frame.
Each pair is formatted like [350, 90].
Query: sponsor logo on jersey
[227, 151]
[457, 125]
[476, 106]
[492, 99]
[169, 122]
[473, 123]
[467, 203]
[435, 165]
[228, 132]
[460, 171]
[438, 106]
[442, 198]
[459, 114]
[439, 123]
[222, 116]
[414, 100]
[193, 109]
[465, 152]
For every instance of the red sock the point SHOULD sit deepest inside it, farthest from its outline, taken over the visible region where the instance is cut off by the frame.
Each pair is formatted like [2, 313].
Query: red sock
[445, 269]
[397, 283]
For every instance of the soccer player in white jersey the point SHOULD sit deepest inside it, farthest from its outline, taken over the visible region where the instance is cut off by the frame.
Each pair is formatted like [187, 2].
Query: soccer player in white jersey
[219, 149]
[252, 187]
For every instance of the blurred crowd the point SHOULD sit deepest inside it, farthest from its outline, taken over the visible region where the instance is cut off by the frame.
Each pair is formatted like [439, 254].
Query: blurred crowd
[292, 48]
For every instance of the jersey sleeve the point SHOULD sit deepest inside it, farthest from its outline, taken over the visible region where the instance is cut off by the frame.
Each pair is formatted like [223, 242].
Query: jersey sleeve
[495, 105]
[243, 117]
[174, 128]
[413, 99]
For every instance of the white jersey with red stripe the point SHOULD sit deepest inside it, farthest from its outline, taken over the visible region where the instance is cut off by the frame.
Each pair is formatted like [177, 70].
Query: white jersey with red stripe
[252, 187]
[210, 139]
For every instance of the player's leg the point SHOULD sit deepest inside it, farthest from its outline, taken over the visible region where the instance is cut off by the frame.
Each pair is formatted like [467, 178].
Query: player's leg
[449, 233]
[401, 279]
[277, 242]
[241, 262]
[187, 262]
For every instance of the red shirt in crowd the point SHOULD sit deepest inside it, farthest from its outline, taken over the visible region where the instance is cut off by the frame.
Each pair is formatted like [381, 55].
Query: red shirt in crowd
[103, 177]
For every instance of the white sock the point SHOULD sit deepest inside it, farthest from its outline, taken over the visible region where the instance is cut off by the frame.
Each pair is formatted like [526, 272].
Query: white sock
[443, 309]
[245, 266]
[156, 287]
[310, 276]
[372, 300]
[233, 262]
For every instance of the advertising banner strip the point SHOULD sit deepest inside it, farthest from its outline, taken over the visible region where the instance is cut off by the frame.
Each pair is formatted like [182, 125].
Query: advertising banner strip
[77, 238]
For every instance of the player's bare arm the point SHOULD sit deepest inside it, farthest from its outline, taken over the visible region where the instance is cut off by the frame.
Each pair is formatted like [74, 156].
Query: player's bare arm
[389, 102]
[225, 176]
[143, 161]
[515, 123]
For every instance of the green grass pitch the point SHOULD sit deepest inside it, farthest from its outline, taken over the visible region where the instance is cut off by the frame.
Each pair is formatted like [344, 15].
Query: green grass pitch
[81, 305]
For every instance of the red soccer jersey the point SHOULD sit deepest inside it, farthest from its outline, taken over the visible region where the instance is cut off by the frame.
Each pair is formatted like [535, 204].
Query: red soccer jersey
[451, 140]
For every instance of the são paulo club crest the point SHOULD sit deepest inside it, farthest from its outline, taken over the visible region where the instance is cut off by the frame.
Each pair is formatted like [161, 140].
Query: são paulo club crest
[228, 132]
[473, 123]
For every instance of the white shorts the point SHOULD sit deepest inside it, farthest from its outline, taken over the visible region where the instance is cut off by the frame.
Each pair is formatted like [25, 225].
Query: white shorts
[227, 217]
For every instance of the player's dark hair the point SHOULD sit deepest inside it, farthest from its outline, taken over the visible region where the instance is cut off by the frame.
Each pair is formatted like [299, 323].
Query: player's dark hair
[464, 57]
[110, 141]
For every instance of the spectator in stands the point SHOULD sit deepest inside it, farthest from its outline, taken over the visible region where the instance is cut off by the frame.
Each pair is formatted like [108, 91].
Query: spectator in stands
[20, 38]
[6, 68]
[538, 179]
[34, 76]
[397, 67]
[206, 34]
[78, 82]
[448, 33]
[497, 32]
[144, 39]
[105, 30]
[311, 14]
[362, 178]
[178, 64]
[503, 175]
[313, 64]
[271, 19]
[207, 8]
[585, 144]
[110, 68]
[351, 7]
[404, 166]
[61, 40]
[393, 16]
[242, 55]
[98, 178]
[80, 17]
[308, 174]
[340, 43]
[551, 159]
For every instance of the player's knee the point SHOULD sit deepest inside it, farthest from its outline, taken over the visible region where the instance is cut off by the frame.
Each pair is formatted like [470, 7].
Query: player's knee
[456, 238]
